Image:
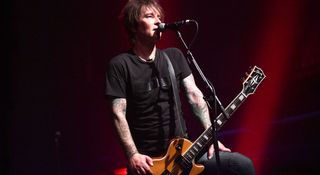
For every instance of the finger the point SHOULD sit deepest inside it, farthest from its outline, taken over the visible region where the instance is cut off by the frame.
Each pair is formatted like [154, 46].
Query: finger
[226, 149]
[210, 152]
[142, 171]
[147, 169]
[223, 148]
[149, 161]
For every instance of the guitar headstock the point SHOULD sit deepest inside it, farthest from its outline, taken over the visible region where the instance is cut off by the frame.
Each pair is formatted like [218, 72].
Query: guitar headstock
[253, 80]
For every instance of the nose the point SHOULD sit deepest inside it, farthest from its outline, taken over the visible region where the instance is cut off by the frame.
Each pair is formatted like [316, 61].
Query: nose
[158, 20]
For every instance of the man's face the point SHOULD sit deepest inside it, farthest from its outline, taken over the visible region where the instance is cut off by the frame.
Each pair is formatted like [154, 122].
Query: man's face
[147, 25]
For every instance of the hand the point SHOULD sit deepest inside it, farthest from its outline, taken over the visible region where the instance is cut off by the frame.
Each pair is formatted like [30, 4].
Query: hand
[140, 164]
[221, 148]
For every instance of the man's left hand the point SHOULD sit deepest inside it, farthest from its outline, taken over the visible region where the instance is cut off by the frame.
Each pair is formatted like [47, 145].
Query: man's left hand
[221, 148]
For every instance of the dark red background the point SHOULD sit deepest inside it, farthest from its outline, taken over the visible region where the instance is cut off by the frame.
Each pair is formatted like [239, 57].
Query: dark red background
[55, 118]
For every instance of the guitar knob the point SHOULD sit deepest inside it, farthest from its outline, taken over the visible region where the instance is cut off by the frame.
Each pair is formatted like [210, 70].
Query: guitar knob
[178, 147]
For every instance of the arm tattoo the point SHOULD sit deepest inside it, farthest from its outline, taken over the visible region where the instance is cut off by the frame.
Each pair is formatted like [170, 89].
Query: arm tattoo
[119, 106]
[195, 99]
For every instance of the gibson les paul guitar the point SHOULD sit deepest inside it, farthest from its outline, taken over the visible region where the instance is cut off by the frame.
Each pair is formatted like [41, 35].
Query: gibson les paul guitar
[182, 152]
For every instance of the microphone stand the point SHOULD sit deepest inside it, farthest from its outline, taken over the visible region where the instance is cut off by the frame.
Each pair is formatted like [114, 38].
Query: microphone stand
[212, 99]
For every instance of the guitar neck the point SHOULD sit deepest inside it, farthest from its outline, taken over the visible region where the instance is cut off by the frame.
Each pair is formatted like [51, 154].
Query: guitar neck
[206, 137]
[230, 109]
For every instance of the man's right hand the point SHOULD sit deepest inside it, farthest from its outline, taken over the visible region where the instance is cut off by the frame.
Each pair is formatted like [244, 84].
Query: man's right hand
[140, 164]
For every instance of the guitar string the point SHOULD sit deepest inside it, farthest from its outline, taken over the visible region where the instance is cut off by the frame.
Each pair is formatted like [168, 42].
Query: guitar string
[230, 111]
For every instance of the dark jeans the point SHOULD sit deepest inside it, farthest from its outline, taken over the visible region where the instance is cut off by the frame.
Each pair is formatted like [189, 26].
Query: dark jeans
[232, 163]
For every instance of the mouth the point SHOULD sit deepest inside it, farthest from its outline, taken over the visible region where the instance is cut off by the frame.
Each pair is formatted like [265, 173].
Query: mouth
[156, 29]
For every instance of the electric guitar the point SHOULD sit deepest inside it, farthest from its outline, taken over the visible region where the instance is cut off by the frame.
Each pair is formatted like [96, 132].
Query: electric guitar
[182, 152]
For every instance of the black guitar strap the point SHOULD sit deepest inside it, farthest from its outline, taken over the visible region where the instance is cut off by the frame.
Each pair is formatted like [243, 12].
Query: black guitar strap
[175, 90]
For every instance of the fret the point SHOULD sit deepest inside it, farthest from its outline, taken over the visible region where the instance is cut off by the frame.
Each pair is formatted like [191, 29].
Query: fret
[230, 109]
[195, 148]
[199, 144]
[203, 143]
[184, 162]
[191, 151]
[189, 157]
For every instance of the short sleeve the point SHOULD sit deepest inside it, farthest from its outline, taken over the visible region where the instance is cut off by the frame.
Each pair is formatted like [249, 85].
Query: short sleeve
[116, 79]
[184, 66]
[179, 62]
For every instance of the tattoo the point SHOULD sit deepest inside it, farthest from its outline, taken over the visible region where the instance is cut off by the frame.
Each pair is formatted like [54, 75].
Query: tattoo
[119, 106]
[195, 99]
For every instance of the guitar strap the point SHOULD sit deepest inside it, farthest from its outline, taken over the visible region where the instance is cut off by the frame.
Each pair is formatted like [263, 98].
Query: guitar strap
[176, 100]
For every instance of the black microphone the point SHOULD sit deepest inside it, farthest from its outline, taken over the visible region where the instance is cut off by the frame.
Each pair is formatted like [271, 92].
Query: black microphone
[172, 26]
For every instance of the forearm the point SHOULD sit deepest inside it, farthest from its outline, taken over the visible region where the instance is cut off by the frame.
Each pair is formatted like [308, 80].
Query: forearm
[125, 137]
[200, 108]
[198, 104]
[122, 127]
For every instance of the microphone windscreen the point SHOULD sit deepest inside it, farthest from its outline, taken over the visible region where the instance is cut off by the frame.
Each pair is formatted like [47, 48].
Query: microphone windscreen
[161, 27]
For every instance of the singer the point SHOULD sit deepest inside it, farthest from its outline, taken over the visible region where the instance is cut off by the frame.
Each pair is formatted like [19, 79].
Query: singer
[145, 113]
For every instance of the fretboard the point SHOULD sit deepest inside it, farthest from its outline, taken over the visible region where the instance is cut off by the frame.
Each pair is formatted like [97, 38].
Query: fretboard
[206, 137]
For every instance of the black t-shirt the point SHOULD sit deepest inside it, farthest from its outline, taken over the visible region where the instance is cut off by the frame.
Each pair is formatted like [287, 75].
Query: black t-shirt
[147, 89]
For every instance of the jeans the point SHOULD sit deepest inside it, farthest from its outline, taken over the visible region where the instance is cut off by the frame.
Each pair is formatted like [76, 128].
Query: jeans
[232, 163]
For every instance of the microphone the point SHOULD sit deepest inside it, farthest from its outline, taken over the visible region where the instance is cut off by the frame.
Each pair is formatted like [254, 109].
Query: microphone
[173, 26]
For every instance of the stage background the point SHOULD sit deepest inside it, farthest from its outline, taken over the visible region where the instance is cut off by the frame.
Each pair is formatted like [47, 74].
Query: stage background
[54, 115]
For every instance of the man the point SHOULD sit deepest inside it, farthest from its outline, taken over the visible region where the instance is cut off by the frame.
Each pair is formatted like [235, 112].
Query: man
[139, 88]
